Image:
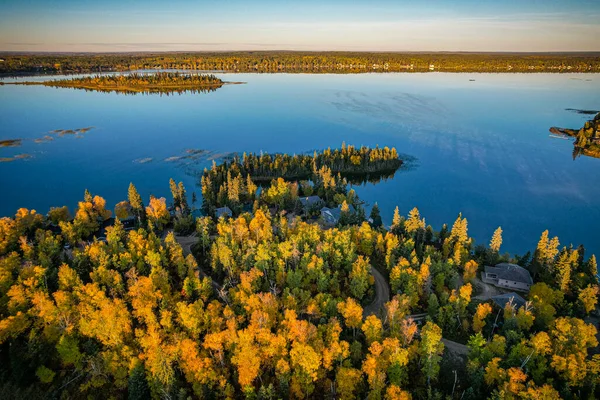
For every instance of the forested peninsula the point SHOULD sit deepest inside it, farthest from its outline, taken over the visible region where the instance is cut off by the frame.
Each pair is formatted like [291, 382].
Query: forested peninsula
[325, 174]
[300, 62]
[160, 82]
[587, 139]
[266, 303]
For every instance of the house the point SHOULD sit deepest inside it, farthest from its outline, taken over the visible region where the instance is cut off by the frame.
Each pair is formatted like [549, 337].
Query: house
[331, 216]
[502, 299]
[223, 212]
[310, 203]
[508, 276]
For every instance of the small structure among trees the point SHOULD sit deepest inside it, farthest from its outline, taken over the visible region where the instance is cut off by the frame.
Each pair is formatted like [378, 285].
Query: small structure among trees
[508, 276]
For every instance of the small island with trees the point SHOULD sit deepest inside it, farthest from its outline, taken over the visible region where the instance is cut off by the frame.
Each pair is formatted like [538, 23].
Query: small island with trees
[587, 139]
[159, 82]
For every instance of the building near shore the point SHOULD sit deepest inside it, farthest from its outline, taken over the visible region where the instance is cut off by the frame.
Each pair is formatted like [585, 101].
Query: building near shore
[508, 276]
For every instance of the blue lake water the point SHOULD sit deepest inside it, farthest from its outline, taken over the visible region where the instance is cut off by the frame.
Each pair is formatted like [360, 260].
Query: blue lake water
[482, 147]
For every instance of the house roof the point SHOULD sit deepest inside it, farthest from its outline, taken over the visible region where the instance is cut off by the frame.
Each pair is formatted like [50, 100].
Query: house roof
[332, 213]
[223, 211]
[510, 272]
[310, 200]
[502, 299]
[335, 213]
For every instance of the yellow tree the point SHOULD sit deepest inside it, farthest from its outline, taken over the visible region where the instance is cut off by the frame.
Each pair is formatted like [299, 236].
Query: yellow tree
[347, 380]
[414, 221]
[123, 209]
[483, 310]
[470, 271]
[260, 226]
[352, 313]
[397, 219]
[565, 265]
[394, 392]
[246, 358]
[571, 339]
[372, 328]
[359, 277]
[496, 241]
[157, 212]
[589, 297]
[459, 230]
[305, 361]
[431, 348]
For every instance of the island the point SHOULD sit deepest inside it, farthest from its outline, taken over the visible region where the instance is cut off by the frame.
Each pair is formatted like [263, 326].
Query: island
[587, 138]
[134, 83]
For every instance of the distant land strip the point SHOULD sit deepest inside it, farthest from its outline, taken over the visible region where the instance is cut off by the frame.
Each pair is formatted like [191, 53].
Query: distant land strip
[14, 64]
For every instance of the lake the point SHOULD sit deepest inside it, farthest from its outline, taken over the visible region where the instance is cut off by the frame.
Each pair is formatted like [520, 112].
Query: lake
[482, 147]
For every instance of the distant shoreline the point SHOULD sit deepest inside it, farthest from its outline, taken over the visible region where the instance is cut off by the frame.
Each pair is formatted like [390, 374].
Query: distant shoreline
[300, 62]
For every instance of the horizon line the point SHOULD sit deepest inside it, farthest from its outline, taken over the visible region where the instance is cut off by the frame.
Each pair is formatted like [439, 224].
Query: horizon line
[51, 52]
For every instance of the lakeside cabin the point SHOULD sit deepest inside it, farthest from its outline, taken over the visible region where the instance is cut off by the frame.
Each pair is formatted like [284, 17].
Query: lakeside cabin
[502, 300]
[508, 276]
[223, 212]
[331, 216]
[310, 203]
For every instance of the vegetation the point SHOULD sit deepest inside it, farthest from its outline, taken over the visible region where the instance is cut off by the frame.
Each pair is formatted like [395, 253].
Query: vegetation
[232, 183]
[312, 62]
[160, 82]
[264, 307]
[587, 139]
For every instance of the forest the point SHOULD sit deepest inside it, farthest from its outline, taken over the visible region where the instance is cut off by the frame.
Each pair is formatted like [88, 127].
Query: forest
[301, 62]
[587, 139]
[160, 82]
[261, 306]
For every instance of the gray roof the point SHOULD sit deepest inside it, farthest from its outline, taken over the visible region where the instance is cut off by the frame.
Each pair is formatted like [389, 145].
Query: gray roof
[502, 299]
[510, 272]
[331, 214]
[223, 211]
[310, 200]
[334, 214]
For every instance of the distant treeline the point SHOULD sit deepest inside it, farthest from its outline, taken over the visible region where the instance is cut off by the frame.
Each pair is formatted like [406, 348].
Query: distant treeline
[311, 62]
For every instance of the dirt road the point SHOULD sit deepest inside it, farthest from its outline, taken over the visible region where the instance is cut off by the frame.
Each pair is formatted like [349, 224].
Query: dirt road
[382, 295]
[186, 243]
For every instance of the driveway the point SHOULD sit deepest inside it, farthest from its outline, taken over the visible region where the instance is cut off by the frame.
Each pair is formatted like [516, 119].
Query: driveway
[382, 295]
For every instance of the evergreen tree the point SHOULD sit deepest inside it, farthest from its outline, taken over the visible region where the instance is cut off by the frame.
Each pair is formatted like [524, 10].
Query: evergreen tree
[185, 208]
[136, 203]
[137, 388]
[376, 216]
[175, 193]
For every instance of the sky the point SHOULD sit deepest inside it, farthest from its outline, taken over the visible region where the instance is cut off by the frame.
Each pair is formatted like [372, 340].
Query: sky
[367, 25]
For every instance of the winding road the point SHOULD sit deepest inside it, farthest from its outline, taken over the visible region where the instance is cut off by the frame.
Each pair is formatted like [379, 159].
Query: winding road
[186, 243]
[382, 295]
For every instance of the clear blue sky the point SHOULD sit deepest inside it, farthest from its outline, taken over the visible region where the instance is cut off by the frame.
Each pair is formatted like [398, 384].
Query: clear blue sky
[376, 25]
